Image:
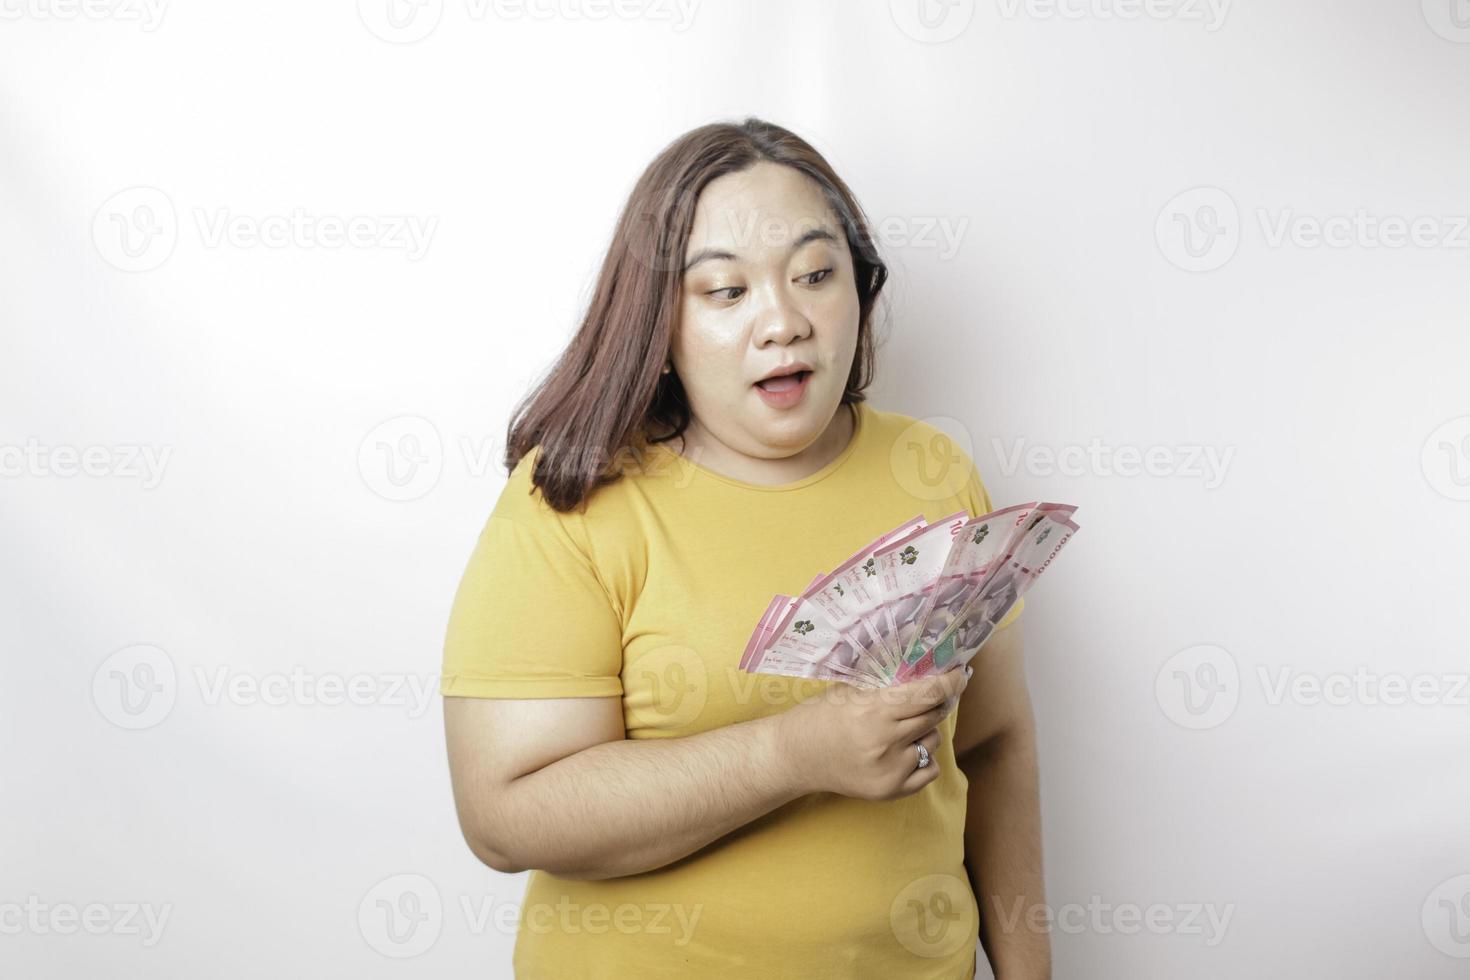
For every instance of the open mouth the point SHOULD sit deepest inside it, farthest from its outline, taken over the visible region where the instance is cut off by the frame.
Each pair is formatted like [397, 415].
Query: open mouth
[786, 382]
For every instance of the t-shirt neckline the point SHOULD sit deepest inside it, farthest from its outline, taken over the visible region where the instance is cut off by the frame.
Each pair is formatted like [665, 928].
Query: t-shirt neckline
[859, 428]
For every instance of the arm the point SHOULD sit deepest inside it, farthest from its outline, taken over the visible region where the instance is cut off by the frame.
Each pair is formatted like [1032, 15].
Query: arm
[553, 784]
[995, 743]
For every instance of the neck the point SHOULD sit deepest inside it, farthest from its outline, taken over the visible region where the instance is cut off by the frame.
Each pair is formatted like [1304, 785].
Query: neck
[699, 444]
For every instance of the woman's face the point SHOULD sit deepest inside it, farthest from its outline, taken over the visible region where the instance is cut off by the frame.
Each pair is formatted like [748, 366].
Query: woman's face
[768, 281]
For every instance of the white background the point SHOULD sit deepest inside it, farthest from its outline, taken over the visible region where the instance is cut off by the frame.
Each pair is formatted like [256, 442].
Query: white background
[1024, 164]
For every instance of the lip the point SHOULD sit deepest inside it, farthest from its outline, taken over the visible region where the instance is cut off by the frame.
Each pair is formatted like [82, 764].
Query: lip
[789, 398]
[791, 367]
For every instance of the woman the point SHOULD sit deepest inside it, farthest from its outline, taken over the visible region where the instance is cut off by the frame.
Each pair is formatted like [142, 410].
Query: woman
[702, 444]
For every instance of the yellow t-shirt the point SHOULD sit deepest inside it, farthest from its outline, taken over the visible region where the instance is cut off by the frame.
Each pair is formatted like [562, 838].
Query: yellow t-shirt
[650, 595]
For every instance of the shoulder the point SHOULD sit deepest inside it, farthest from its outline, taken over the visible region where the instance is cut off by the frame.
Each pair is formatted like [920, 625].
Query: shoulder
[931, 457]
[904, 435]
[522, 502]
[896, 425]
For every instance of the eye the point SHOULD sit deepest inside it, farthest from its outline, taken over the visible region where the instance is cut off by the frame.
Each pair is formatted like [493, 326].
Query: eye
[823, 273]
[727, 289]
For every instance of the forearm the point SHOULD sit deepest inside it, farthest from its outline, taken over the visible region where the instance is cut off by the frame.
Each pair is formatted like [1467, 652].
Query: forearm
[1003, 854]
[626, 806]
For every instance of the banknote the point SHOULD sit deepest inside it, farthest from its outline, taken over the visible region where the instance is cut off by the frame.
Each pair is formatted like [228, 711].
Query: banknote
[982, 546]
[918, 599]
[979, 546]
[800, 631]
[1045, 534]
[851, 595]
[815, 649]
[908, 570]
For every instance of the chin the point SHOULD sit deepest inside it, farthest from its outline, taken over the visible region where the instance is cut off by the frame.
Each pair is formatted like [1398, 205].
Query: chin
[797, 429]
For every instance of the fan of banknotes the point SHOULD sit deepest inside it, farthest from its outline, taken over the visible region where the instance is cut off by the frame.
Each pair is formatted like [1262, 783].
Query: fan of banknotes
[921, 599]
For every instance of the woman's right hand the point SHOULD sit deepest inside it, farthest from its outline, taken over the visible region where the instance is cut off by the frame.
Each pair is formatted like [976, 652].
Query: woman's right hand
[860, 742]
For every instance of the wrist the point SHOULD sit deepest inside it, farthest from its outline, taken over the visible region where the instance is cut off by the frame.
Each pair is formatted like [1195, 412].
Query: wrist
[778, 755]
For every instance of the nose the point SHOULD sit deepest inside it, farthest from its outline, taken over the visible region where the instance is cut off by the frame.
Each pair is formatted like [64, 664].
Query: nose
[779, 320]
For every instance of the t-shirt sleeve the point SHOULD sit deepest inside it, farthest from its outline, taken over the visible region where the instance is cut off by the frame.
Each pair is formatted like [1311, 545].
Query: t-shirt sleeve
[978, 500]
[531, 619]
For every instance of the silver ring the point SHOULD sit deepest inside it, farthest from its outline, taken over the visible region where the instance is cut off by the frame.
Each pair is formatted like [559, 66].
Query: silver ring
[923, 754]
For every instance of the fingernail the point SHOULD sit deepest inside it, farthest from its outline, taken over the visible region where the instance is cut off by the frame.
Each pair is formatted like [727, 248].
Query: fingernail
[969, 671]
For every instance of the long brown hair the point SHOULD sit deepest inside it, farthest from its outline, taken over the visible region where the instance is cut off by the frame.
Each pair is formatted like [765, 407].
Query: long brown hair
[607, 389]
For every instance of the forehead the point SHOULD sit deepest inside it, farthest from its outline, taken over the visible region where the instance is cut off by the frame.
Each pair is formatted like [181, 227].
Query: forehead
[766, 206]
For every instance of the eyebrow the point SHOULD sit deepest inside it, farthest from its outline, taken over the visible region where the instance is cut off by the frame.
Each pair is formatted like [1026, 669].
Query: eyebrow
[811, 235]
